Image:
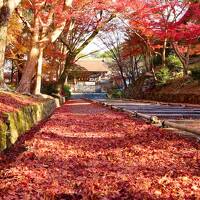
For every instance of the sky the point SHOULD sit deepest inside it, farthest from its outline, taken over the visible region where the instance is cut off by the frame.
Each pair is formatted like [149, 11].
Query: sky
[95, 45]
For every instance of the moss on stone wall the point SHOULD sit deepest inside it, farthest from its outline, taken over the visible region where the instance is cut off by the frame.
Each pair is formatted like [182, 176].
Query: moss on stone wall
[17, 123]
[3, 135]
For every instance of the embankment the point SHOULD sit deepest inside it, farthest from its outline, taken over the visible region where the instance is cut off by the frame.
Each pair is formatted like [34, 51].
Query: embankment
[19, 113]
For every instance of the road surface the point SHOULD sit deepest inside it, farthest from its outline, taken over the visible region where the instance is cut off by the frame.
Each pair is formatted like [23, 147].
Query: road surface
[185, 115]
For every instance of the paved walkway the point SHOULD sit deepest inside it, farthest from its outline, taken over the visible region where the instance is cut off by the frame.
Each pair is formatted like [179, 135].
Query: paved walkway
[84, 151]
[185, 115]
[163, 111]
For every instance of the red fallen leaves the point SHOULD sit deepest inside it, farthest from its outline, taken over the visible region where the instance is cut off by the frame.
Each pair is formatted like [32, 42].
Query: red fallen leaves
[11, 102]
[85, 151]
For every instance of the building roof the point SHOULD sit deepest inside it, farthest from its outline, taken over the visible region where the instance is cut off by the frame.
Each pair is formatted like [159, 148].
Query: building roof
[92, 65]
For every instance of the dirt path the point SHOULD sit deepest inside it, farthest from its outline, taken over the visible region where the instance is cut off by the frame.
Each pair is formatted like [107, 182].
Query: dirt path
[85, 151]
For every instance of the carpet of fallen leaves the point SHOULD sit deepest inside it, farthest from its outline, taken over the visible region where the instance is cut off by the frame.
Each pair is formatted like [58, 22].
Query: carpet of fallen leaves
[85, 151]
[11, 102]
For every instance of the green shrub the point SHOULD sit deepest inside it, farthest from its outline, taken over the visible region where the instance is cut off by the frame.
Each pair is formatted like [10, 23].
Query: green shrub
[66, 91]
[48, 88]
[115, 93]
[12, 86]
[163, 76]
[174, 63]
[195, 73]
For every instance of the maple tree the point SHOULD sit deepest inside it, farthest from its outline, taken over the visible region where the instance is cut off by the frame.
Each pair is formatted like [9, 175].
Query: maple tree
[6, 9]
[17, 45]
[153, 20]
[54, 58]
[161, 23]
[40, 40]
[112, 40]
[134, 49]
[154, 26]
[87, 21]
[186, 35]
[46, 14]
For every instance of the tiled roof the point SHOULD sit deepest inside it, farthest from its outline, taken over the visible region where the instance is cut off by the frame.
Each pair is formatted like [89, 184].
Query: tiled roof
[93, 65]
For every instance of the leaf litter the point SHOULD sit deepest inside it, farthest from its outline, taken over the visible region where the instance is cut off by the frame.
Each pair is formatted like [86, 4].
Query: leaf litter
[85, 151]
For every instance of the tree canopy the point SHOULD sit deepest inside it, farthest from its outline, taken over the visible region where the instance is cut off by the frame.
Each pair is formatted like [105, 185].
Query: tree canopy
[40, 33]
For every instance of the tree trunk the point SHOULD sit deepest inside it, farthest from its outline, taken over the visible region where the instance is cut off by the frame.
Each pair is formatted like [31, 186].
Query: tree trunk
[187, 59]
[6, 9]
[146, 62]
[122, 75]
[132, 67]
[184, 59]
[12, 73]
[39, 72]
[19, 76]
[152, 66]
[136, 67]
[164, 53]
[185, 67]
[4, 16]
[25, 82]
[3, 38]
[60, 84]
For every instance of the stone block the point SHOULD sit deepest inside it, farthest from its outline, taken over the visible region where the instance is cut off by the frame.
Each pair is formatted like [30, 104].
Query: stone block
[17, 123]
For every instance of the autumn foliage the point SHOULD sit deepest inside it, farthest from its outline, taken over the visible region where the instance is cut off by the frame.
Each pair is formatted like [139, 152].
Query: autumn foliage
[85, 151]
[70, 26]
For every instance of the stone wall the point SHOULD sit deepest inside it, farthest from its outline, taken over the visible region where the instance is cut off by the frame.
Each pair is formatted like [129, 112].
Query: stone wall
[14, 124]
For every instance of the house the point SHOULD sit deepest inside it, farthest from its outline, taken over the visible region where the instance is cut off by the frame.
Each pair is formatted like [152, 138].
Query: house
[88, 75]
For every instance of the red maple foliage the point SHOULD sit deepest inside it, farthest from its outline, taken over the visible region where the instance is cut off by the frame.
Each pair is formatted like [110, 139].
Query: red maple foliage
[85, 151]
[11, 102]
